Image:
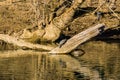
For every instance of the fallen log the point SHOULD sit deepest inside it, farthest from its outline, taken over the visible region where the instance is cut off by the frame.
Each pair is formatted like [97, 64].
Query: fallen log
[78, 39]
[22, 43]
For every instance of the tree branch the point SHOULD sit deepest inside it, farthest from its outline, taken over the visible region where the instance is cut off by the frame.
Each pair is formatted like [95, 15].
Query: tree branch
[78, 39]
[22, 43]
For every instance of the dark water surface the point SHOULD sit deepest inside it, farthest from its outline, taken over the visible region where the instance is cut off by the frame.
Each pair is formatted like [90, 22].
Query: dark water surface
[104, 57]
[101, 61]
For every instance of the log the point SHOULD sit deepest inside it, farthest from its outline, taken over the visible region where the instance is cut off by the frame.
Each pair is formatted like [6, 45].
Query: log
[78, 39]
[22, 43]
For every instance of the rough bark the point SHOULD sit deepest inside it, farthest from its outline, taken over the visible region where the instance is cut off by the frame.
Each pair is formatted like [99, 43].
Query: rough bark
[78, 39]
[73, 42]
[22, 43]
[52, 31]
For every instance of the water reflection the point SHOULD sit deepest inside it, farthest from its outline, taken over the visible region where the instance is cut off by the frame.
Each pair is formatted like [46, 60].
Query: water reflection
[100, 62]
[31, 65]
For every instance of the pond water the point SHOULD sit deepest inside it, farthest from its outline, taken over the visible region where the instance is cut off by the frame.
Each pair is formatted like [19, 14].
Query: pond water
[101, 59]
[104, 57]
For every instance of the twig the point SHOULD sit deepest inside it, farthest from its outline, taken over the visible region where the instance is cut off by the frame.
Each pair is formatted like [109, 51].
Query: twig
[113, 12]
[98, 7]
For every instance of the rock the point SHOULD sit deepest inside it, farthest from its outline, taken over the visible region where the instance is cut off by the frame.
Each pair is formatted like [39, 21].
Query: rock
[32, 36]
[77, 53]
[52, 33]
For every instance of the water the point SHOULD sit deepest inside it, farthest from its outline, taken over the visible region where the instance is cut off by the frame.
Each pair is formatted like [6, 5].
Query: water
[104, 57]
[101, 59]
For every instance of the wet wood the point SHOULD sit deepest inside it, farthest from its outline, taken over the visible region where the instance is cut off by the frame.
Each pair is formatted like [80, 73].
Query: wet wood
[78, 39]
[22, 43]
